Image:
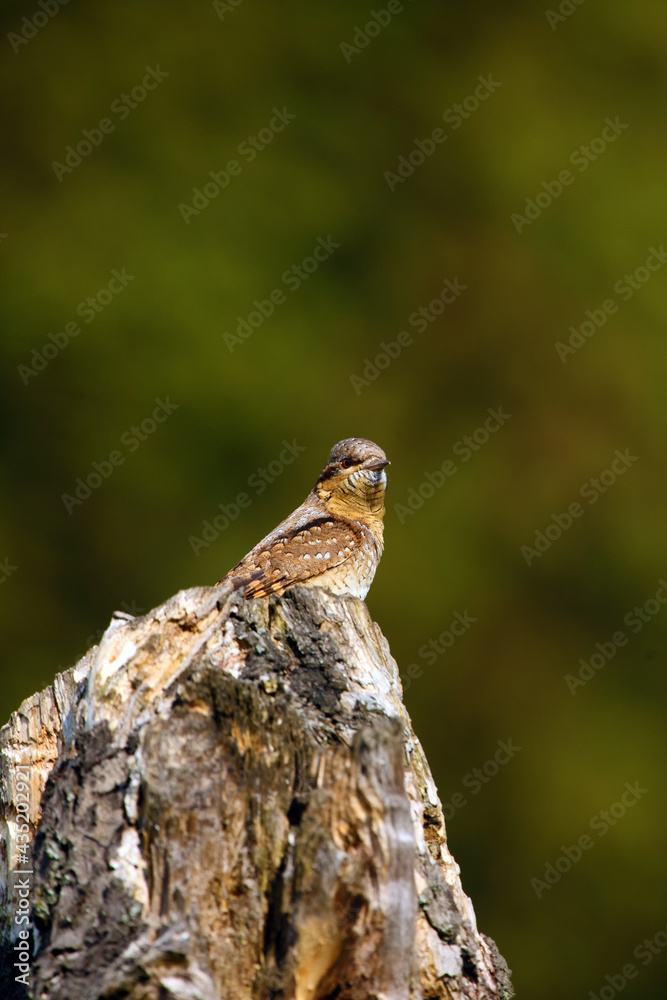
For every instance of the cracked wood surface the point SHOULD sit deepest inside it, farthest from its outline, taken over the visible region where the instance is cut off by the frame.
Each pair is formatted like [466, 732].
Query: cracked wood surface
[228, 802]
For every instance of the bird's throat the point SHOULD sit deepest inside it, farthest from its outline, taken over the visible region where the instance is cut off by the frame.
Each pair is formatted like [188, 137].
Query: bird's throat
[363, 501]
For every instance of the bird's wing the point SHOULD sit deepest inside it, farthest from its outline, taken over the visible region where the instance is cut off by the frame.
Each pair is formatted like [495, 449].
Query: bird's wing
[295, 556]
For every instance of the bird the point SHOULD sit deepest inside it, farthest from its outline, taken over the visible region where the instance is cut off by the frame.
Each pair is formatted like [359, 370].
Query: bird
[334, 539]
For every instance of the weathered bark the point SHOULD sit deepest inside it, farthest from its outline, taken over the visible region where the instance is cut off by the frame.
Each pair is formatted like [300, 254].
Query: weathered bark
[227, 800]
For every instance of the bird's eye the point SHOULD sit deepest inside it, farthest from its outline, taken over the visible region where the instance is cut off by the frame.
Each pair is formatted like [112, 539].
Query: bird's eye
[346, 463]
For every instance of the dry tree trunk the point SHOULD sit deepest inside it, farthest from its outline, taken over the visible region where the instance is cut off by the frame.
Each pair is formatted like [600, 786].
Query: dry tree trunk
[227, 800]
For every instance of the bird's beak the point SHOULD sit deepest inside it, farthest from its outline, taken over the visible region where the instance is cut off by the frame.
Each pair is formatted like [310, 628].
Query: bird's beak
[380, 464]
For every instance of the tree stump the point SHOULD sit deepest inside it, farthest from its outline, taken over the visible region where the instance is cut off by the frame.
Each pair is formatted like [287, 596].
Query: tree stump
[225, 800]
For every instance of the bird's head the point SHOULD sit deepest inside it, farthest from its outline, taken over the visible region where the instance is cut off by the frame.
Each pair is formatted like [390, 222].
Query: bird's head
[353, 482]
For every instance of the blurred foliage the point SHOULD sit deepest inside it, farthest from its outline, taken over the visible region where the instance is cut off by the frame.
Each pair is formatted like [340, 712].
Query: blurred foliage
[162, 337]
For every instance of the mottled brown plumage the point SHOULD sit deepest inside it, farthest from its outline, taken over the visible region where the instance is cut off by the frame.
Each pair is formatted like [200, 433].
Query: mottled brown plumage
[334, 539]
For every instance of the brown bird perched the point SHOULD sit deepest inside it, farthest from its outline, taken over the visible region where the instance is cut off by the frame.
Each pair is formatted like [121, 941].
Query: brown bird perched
[334, 539]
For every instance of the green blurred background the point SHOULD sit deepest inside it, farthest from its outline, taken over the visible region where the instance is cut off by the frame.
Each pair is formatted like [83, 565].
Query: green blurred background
[129, 544]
